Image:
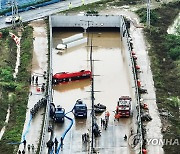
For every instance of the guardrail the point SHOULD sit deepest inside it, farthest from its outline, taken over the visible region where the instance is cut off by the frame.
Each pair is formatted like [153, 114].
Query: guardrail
[124, 34]
[49, 97]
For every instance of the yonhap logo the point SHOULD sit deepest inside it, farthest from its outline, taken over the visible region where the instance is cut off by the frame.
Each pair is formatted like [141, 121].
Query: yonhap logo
[165, 141]
[133, 141]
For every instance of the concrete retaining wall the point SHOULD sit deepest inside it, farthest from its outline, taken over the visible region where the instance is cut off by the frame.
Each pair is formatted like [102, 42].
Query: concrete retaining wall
[85, 21]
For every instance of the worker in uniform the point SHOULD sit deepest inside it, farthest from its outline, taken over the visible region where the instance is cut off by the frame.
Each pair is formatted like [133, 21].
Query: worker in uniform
[61, 142]
[24, 142]
[107, 114]
[36, 80]
[56, 144]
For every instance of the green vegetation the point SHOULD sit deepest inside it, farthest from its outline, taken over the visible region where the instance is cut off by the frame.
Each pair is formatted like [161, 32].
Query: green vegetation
[165, 64]
[18, 89]
[94, 8]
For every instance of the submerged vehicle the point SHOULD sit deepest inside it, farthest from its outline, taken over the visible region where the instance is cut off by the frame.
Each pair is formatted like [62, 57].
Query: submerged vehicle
[123, 108]
[64, 77]
[59, 114]
[80, 109]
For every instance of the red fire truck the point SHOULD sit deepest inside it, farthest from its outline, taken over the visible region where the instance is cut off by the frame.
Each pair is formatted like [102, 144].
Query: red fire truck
[123, 108]
[64, 77]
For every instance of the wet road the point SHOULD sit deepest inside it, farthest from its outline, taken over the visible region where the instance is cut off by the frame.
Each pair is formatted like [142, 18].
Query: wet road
[112, 83]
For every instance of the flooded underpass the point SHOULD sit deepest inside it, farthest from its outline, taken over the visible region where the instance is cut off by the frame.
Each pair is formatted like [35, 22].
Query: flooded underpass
[111, 81]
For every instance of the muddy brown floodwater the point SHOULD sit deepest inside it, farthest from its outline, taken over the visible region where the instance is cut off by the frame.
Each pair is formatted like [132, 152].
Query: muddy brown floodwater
[111, 82]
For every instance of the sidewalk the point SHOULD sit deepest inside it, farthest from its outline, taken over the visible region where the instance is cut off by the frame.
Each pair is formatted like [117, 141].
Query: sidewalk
[39, 65]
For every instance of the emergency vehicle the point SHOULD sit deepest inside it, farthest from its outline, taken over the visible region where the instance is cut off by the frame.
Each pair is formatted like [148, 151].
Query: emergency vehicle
[123, 108]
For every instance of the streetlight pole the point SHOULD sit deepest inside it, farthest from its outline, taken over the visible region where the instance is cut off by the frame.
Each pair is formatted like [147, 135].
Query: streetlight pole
[92, 99]
[148, 12]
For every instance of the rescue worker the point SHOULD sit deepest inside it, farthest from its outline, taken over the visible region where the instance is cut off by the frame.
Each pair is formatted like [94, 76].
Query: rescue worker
[43, 87]
[83, 137]
[56, 144]
[61, 142]
[23, 152]
[107, 114]
[50, 144]
[32, 146]
[36, 80]
[29, 147]
[33, 79]
[87, 137]
[24, 142]
[103, 123]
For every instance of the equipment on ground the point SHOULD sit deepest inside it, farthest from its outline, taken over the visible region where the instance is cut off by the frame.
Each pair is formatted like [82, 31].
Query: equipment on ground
[99, 108]
[80, 109]
[123, 108]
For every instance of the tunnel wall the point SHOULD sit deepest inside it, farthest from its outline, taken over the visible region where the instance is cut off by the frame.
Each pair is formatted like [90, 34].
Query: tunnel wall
[125, 38]
[45, 134]
[85, 21]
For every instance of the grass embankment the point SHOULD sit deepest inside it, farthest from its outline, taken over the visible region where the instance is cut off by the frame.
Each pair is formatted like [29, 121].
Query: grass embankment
[97, 6]
[18, 89]
[7, 60]
[165, 63]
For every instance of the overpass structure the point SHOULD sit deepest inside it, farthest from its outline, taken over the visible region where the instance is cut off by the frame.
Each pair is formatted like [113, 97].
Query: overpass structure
[87, 22]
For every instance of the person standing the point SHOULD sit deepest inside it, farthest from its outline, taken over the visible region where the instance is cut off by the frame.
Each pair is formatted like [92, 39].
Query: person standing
[32, 147]
[56, 144]
[61, 142]
[33, 79]
[23, 152]
[101, 122]
[24, 142]
[36, 80]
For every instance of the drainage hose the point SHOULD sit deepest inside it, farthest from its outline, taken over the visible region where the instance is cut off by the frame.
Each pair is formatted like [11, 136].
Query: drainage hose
[63, 136]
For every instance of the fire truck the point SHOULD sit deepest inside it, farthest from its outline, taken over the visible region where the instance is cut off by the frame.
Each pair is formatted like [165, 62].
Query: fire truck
[64, 77]
[123, 108]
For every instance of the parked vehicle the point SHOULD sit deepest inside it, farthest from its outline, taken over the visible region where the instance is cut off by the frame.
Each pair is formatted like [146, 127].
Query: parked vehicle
[64, 77]
[80, 109]
[123, 108]
[10, 19]
[59, 114]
